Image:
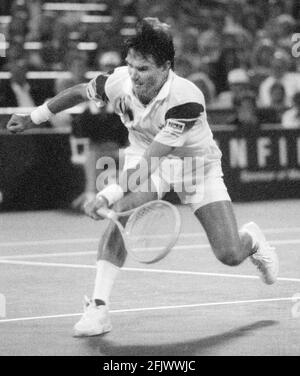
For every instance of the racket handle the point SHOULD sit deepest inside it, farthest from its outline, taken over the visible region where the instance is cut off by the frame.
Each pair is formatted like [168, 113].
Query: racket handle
[107, 213]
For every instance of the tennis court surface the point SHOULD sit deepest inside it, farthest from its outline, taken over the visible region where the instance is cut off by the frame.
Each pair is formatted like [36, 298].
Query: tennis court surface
[188, 304]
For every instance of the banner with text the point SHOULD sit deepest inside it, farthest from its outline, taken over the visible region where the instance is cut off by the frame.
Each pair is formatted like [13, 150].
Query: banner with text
[261, 166]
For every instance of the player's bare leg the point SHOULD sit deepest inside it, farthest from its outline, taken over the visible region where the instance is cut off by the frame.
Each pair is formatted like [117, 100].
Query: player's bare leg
[111, 257]
[231, 246]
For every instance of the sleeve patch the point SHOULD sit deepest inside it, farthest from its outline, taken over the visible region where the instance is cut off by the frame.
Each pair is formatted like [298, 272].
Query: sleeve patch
[174, 127]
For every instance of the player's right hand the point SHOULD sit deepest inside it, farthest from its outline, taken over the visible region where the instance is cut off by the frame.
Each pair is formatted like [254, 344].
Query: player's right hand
[19, 123]
[91, 207]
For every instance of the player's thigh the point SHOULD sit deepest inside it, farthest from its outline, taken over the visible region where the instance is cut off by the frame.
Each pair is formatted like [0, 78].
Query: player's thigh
[219, 222]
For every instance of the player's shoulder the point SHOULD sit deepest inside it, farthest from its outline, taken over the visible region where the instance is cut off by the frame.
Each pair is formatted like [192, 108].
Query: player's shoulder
[116, 80]
[186, 99]
[113, 77]
[182, 88]
[118, 74]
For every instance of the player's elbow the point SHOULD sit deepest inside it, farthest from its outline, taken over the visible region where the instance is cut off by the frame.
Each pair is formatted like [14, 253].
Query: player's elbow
[80, 92]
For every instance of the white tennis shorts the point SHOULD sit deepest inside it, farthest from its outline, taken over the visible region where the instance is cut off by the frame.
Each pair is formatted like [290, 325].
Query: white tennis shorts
[197, 183]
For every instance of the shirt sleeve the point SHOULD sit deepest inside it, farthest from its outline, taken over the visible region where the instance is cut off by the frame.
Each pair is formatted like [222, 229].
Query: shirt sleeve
[107, 87]
[96, 90]
[178, 121]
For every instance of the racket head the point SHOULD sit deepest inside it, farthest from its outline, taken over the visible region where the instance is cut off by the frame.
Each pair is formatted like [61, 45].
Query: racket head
[151, 231]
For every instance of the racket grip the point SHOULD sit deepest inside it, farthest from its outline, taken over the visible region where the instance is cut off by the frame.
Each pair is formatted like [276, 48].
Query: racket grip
[107, 213]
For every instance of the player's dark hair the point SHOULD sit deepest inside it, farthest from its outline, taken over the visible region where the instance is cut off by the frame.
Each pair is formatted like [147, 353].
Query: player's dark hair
[152, 38]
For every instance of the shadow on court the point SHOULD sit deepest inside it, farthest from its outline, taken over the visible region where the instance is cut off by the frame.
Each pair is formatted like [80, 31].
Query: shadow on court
[195, 347]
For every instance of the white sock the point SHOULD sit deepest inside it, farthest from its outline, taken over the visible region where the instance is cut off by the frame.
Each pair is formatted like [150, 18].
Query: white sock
[105, 277]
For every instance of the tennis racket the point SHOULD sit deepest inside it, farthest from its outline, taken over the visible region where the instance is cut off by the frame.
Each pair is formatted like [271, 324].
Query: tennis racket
[151, 231]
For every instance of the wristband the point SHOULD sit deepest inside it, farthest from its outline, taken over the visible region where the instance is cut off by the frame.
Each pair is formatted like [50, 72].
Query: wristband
[112, 193]
[41, 114]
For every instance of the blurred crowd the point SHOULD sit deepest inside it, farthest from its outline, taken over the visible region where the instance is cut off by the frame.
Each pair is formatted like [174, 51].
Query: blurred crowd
[235, 51]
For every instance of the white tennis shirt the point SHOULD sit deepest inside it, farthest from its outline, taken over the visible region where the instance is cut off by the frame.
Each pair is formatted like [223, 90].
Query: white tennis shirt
[175, 117]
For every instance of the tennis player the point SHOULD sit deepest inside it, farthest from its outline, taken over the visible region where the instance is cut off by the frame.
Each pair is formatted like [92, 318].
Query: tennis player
[166, 118]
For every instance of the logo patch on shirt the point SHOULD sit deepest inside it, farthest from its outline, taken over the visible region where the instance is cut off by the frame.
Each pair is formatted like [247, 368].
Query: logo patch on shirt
[175, 126]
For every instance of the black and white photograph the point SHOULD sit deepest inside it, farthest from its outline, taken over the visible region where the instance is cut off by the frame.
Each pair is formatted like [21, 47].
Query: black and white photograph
[149, 181]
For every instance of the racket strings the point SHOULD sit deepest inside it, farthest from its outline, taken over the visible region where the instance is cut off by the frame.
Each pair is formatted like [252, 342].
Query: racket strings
[151, 230]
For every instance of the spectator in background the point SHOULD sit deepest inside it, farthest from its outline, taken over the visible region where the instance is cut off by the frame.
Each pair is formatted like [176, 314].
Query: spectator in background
[291, 118]
[189, 48]
[280, 72]
[108, 60]
[246, 117]
[262, 60]
[17, 92]
[252, 20]
[219, 71]
[34, 12]
[278, 99]
[202, 81]
[183, 66]
[285, 29]
[17, 29]
[14, 53]
[77, 67]
[239, 84]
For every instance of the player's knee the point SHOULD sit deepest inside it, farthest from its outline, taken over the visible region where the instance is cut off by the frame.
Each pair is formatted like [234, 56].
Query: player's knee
[230, 257]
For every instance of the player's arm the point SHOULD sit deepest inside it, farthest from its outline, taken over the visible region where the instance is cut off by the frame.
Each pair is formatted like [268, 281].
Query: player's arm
[62, 101]
[94, 90]
[114, 192]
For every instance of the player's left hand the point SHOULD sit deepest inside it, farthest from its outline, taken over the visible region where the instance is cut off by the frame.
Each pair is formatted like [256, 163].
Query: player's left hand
[91, 207]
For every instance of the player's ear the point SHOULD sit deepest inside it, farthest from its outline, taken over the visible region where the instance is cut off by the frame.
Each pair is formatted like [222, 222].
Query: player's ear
[166, 65]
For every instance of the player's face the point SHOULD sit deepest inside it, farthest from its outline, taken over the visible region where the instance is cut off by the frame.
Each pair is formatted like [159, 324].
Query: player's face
[147, 78]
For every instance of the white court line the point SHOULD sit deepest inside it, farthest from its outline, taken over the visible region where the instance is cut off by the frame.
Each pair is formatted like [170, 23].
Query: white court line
[83, 253]
[281, 230]
[160, 308]
[182, 272]
[36, 263]
[92, 240]
[78, 241]
[49, 242]
[46, 255]
[177, 247]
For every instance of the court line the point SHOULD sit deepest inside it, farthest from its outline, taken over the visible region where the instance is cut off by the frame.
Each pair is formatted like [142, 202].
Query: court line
[182, 272]
[92, 240]
[177, 247]
[46, 255]
[159, 308]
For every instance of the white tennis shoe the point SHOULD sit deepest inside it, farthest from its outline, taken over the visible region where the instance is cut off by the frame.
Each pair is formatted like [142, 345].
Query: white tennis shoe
[265, 259]
[94, 321]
